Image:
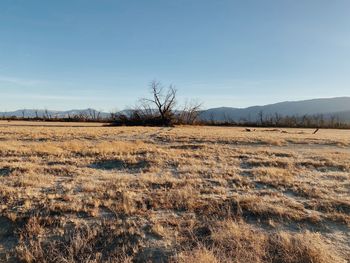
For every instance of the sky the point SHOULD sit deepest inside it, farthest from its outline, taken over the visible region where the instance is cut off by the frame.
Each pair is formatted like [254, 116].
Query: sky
[75, 54]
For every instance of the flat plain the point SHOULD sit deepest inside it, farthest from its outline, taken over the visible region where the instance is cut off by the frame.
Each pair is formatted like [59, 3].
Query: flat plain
[75, 192]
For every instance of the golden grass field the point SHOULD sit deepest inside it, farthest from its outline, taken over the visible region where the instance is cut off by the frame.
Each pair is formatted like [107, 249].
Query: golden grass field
[87, 193]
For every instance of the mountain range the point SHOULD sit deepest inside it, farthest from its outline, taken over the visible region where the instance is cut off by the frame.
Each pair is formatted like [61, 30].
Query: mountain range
[339, 107]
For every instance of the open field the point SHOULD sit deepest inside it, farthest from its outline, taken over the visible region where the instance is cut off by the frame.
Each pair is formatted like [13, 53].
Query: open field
[70, 193]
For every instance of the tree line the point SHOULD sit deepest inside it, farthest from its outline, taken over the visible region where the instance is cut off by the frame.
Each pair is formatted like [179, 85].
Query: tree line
[285, 121]
[90, 115]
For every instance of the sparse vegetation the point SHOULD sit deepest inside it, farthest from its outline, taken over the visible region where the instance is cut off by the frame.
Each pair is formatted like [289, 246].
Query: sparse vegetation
[159, 110]
[289, 121]
[87, 193]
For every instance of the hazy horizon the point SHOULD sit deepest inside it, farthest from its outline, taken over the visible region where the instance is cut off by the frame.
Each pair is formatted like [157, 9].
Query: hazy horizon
[202, 108]
[103, 54]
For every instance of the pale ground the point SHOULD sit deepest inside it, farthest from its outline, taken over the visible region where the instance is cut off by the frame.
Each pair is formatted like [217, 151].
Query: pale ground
[73, 192]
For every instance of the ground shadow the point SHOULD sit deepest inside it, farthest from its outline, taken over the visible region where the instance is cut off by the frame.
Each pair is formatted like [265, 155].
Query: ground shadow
[8, 239]
[5, 171]
[120, 165]
[187, 147]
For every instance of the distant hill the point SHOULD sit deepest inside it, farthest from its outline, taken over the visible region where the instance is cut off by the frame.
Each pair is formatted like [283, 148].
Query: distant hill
[339, 107]
[328, 107]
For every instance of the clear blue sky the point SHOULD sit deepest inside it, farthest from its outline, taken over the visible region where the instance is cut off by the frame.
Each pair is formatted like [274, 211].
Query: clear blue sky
[103, 53]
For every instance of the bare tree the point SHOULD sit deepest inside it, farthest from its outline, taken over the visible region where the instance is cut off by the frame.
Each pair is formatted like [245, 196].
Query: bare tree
[261, 117]
[164, 101]
[113, 113]
[332, 120]
[47, 114]
[278, 118]
[82, 116]
[99, 114]
[159, 109]
[92, 114]
[189, 112]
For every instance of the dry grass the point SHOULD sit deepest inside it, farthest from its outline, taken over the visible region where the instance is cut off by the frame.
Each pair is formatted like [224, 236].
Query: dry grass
[230, 241]
[186, 194]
